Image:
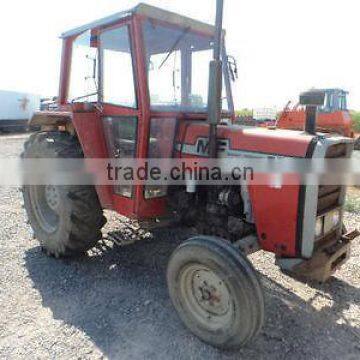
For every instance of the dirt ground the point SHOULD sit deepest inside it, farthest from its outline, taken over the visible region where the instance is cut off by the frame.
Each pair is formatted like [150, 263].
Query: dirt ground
[357, 154]
[114, 303]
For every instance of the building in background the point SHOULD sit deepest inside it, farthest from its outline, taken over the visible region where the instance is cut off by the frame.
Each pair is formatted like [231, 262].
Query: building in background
[263, 117]
[265, 114]
[16, 109]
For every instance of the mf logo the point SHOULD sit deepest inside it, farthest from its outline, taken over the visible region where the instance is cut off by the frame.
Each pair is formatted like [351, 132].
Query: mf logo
[202, 146]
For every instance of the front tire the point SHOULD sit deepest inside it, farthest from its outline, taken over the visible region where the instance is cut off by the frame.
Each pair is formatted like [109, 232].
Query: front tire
[216, 292]
[67, 220]
[357, 144]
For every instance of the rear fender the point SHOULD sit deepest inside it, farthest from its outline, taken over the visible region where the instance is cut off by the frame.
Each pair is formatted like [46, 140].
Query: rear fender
[53, 120]
[87, 128]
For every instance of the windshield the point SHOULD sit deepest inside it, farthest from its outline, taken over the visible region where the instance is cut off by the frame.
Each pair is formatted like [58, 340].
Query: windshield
[334, 101]
[178, 68]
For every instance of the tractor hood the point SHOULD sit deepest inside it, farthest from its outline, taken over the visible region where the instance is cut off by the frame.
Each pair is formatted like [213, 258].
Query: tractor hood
[236, 140]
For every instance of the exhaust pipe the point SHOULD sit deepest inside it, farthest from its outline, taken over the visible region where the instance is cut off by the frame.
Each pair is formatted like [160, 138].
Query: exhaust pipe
[310, 123]
[215, 82]
[312, 100]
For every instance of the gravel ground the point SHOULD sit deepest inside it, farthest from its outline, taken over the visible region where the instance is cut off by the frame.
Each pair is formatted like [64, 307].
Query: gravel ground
[114, 303]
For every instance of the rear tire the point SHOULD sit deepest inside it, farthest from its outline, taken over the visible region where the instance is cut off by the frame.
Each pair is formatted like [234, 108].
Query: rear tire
[67, 220]
[216, 292]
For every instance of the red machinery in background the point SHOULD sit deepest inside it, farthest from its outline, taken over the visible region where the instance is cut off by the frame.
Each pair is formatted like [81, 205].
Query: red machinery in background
[333, 117]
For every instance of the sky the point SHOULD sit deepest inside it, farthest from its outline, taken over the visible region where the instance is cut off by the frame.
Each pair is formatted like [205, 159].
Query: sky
[282, 47]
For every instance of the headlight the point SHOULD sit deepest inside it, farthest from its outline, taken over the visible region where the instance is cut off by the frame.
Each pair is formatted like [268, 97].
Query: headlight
[332, 221]
[335, 218]
[319, 228]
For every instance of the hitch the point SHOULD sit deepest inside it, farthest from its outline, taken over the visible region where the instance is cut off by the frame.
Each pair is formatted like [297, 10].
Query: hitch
[326, 260]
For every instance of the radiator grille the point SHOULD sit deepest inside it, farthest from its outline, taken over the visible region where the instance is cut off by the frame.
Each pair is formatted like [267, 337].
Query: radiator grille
[329, 198]
[330, 195]
[337, 151]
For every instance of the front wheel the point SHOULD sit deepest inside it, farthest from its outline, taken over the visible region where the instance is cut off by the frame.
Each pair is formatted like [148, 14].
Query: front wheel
[216, 292]
[357, 144]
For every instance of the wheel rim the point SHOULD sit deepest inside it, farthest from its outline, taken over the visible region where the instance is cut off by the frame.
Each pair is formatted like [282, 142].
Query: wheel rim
[206, 297]
[52, 197]
[46, 201]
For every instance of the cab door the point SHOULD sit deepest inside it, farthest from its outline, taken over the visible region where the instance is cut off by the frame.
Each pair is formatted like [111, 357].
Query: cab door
[121, 106]
[125, 111]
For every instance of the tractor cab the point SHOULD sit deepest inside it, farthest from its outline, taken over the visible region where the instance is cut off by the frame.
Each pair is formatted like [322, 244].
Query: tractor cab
[127, 80]
[143, 58]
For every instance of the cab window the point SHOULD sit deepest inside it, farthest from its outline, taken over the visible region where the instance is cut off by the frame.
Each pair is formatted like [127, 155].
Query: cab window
[118, 85]
[83, 73]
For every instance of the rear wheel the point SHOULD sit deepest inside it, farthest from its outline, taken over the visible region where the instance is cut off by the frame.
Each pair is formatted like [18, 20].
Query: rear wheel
[67, 220]
[216, 292]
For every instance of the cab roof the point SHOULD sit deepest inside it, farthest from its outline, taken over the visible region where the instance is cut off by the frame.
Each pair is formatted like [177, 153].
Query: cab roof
[334, 90]
[147, 11]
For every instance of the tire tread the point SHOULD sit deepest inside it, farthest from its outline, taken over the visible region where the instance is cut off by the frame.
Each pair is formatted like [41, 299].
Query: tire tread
[86, 214]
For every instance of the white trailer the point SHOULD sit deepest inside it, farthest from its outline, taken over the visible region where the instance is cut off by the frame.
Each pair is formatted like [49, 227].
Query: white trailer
[265, 114]
[16, 109]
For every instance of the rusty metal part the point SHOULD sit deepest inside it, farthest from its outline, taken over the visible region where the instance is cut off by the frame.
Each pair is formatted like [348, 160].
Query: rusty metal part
[352, 235]
[326, 260]
[49, 118]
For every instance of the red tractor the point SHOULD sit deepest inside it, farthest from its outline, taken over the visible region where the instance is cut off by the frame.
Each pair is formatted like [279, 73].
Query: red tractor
[149, 72]
[333, 116]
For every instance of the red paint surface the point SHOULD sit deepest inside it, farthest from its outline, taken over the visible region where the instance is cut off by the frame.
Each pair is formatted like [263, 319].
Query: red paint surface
[280, 142]
[276, 214]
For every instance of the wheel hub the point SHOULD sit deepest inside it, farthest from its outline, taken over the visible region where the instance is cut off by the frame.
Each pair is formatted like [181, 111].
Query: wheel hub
[206, 296]
[52, 197]
[210, 292]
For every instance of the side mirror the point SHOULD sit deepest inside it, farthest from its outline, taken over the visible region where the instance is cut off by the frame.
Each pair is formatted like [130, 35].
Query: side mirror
[233, 68]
